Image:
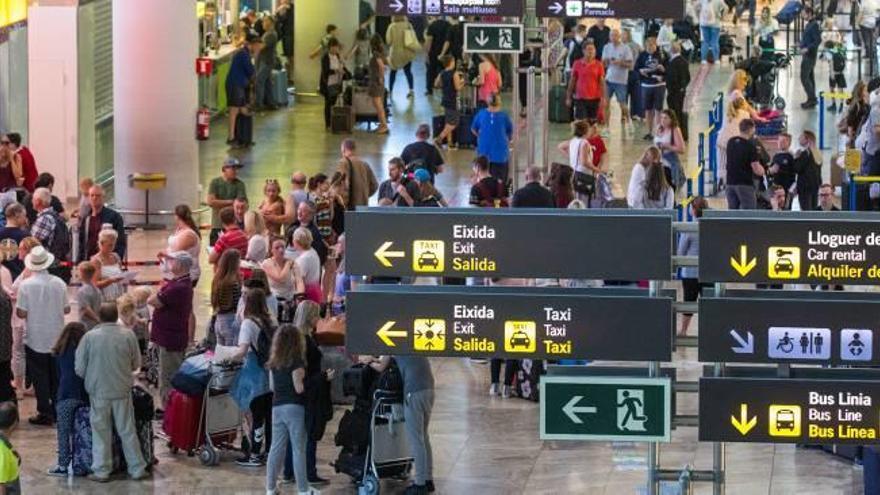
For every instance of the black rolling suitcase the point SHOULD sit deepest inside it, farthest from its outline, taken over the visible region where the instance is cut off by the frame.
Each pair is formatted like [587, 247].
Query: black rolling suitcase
[437, 124]
[464, 138]
[244, 129]
[559, 112]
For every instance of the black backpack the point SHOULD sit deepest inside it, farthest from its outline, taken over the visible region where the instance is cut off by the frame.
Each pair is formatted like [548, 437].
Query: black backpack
[264, 343]
[60, 246]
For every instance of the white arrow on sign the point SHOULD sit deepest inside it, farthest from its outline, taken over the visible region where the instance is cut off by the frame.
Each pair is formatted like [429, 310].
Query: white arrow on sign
[571, 410]
[482, 39]
[556, 8]
[746, 346]
[397, 5]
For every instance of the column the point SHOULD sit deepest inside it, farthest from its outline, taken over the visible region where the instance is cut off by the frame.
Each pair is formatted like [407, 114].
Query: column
[311, 19]
[155, 100]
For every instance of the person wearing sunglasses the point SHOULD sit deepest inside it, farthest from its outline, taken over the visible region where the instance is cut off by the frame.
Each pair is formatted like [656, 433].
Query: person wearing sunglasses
[24, 165]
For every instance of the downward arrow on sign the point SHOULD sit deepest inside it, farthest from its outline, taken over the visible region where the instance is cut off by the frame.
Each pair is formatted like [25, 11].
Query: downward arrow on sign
[482, 39]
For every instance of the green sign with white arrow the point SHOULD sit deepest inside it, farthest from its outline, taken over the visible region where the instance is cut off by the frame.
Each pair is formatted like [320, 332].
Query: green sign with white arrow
[605, 408]
[493, 38]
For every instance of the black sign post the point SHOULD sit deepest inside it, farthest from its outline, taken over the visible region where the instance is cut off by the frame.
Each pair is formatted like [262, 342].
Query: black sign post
[789, 411]
[815, 331]
[610, 8]
[814, 248]
[526, 323]
[501, 8]
[490, 242]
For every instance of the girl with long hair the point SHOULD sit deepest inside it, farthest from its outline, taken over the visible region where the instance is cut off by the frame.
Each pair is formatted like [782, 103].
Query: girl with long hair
[71, 394]
[186, 237]
[225, 292]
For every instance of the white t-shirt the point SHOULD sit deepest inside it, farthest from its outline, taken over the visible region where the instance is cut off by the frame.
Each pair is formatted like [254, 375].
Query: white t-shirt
[635, 190]
[44, 297]
[249, 333]
[310, 266]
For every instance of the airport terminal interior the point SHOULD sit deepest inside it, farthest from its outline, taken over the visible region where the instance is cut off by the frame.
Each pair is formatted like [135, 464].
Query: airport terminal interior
[109, 91]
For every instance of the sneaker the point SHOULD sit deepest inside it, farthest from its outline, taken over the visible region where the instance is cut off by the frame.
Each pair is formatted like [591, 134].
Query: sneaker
[411, 94]
[99, 479]
[493, 390]
[429, 485]
[41, 420]
[142, 476]
[249, 461]
[288, 481]
[505, 392]
[311, 491]
[317, 480]
[809, 104]
[59, 471]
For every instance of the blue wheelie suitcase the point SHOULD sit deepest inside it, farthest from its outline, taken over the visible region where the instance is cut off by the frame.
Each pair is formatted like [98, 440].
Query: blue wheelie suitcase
[279, 88]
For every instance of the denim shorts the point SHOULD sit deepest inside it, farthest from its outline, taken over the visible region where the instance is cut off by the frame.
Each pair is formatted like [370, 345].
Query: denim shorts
[618, 91]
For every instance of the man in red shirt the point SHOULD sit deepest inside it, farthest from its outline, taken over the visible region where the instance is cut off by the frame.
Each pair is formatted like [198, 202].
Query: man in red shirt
[231, 238]
[586, 85]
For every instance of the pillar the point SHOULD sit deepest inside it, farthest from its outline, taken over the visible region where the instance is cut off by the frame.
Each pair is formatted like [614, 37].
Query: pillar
[311, 19]
[155, 100]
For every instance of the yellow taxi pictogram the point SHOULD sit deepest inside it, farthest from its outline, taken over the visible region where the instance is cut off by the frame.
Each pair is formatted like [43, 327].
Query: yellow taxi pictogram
[519, 336]
[428, 256]
[784, 262]
[784, 421]
[429, 334]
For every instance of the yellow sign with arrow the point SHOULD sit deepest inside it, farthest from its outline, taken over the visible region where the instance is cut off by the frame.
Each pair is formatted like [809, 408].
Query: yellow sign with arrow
[383, 254]
[386, 334]
[743, 265]
[743, 424]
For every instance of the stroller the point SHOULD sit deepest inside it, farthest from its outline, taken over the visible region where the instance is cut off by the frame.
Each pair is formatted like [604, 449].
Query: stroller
[372, 435]
[763, 70]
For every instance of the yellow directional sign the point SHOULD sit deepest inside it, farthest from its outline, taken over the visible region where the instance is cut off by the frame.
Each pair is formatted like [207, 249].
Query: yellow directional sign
[785, 420]
[386, 334]
[743, 424]
[520, 336]
[743, 265]
[383, 254]
[428, 256]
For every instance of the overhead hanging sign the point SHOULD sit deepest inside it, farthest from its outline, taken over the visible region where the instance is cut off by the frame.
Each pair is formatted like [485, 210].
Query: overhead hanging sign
[605, 408]
[619, 9]
[493, 38]
[494, 242]
[500, 8]
[839, 248]
[815, 331]
[780, 410]
[522, 323]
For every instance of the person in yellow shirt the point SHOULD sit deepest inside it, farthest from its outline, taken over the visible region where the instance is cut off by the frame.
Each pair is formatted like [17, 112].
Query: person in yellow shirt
[10, 461]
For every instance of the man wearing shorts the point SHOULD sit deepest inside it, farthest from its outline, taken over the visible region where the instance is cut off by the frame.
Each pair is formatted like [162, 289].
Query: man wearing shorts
[450, 83]
[241, 74]
[587, 85]
[618, 60]
[651, 67]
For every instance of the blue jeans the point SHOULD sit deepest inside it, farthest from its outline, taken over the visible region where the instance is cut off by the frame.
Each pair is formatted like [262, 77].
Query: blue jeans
[710, 37]
[288, 428]
[263, 87]
[226, 329]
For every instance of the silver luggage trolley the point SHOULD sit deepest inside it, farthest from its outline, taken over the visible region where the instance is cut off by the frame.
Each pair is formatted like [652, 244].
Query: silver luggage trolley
[388, 455]
[221, 417]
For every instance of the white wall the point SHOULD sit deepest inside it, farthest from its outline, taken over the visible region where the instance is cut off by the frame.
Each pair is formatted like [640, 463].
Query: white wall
[13, 83]
[53, 94]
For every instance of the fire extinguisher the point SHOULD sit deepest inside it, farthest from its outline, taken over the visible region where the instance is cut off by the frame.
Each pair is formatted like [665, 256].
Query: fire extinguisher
[203, 124]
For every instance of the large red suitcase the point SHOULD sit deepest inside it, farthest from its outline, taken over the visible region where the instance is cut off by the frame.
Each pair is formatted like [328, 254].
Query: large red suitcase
[181, 421]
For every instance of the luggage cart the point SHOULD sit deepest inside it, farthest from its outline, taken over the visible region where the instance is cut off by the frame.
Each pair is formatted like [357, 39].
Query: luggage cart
[388, 455]
[220, 420]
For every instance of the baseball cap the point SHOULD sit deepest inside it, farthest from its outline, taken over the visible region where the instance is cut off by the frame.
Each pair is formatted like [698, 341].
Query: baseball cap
[422, 175]
[232, 162]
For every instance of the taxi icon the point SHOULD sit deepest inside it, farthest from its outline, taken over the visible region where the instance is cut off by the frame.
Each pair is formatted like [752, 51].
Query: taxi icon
[428, 259]
[520, 339]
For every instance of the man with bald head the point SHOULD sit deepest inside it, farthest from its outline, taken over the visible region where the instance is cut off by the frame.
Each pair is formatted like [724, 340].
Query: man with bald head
[298, 194]
[533, 194]
[97, 214]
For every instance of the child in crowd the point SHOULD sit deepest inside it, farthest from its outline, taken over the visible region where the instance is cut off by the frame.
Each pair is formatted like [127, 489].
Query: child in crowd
[85, 184]
[321, 50]
[360, 53]
[71, 394]
[88, 296]
[10, 461]
[835, 53]
[287, 380]
[128, 316]
[782, 165]
[141, 295]
[666, 37]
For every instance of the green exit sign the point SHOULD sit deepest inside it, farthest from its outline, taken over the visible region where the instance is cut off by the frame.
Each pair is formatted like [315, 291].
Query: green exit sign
[605, 408]
[493, 38]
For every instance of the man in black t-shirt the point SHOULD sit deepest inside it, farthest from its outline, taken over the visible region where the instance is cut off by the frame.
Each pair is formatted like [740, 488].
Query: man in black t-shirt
[454, 40]
[533, 194]
[435, 38]
[487, 191]
[743, 163]
[423, 154]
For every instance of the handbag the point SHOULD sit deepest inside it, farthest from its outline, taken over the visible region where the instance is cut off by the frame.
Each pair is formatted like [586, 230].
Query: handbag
[251, 382]
[410, 41]
[584, 183]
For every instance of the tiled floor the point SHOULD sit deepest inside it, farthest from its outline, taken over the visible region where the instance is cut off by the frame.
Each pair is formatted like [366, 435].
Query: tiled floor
[482, 445]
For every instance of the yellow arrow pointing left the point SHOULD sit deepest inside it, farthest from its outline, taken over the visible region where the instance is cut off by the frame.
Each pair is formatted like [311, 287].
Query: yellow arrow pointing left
[386, 334]
[743, 424]
[382, 254]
